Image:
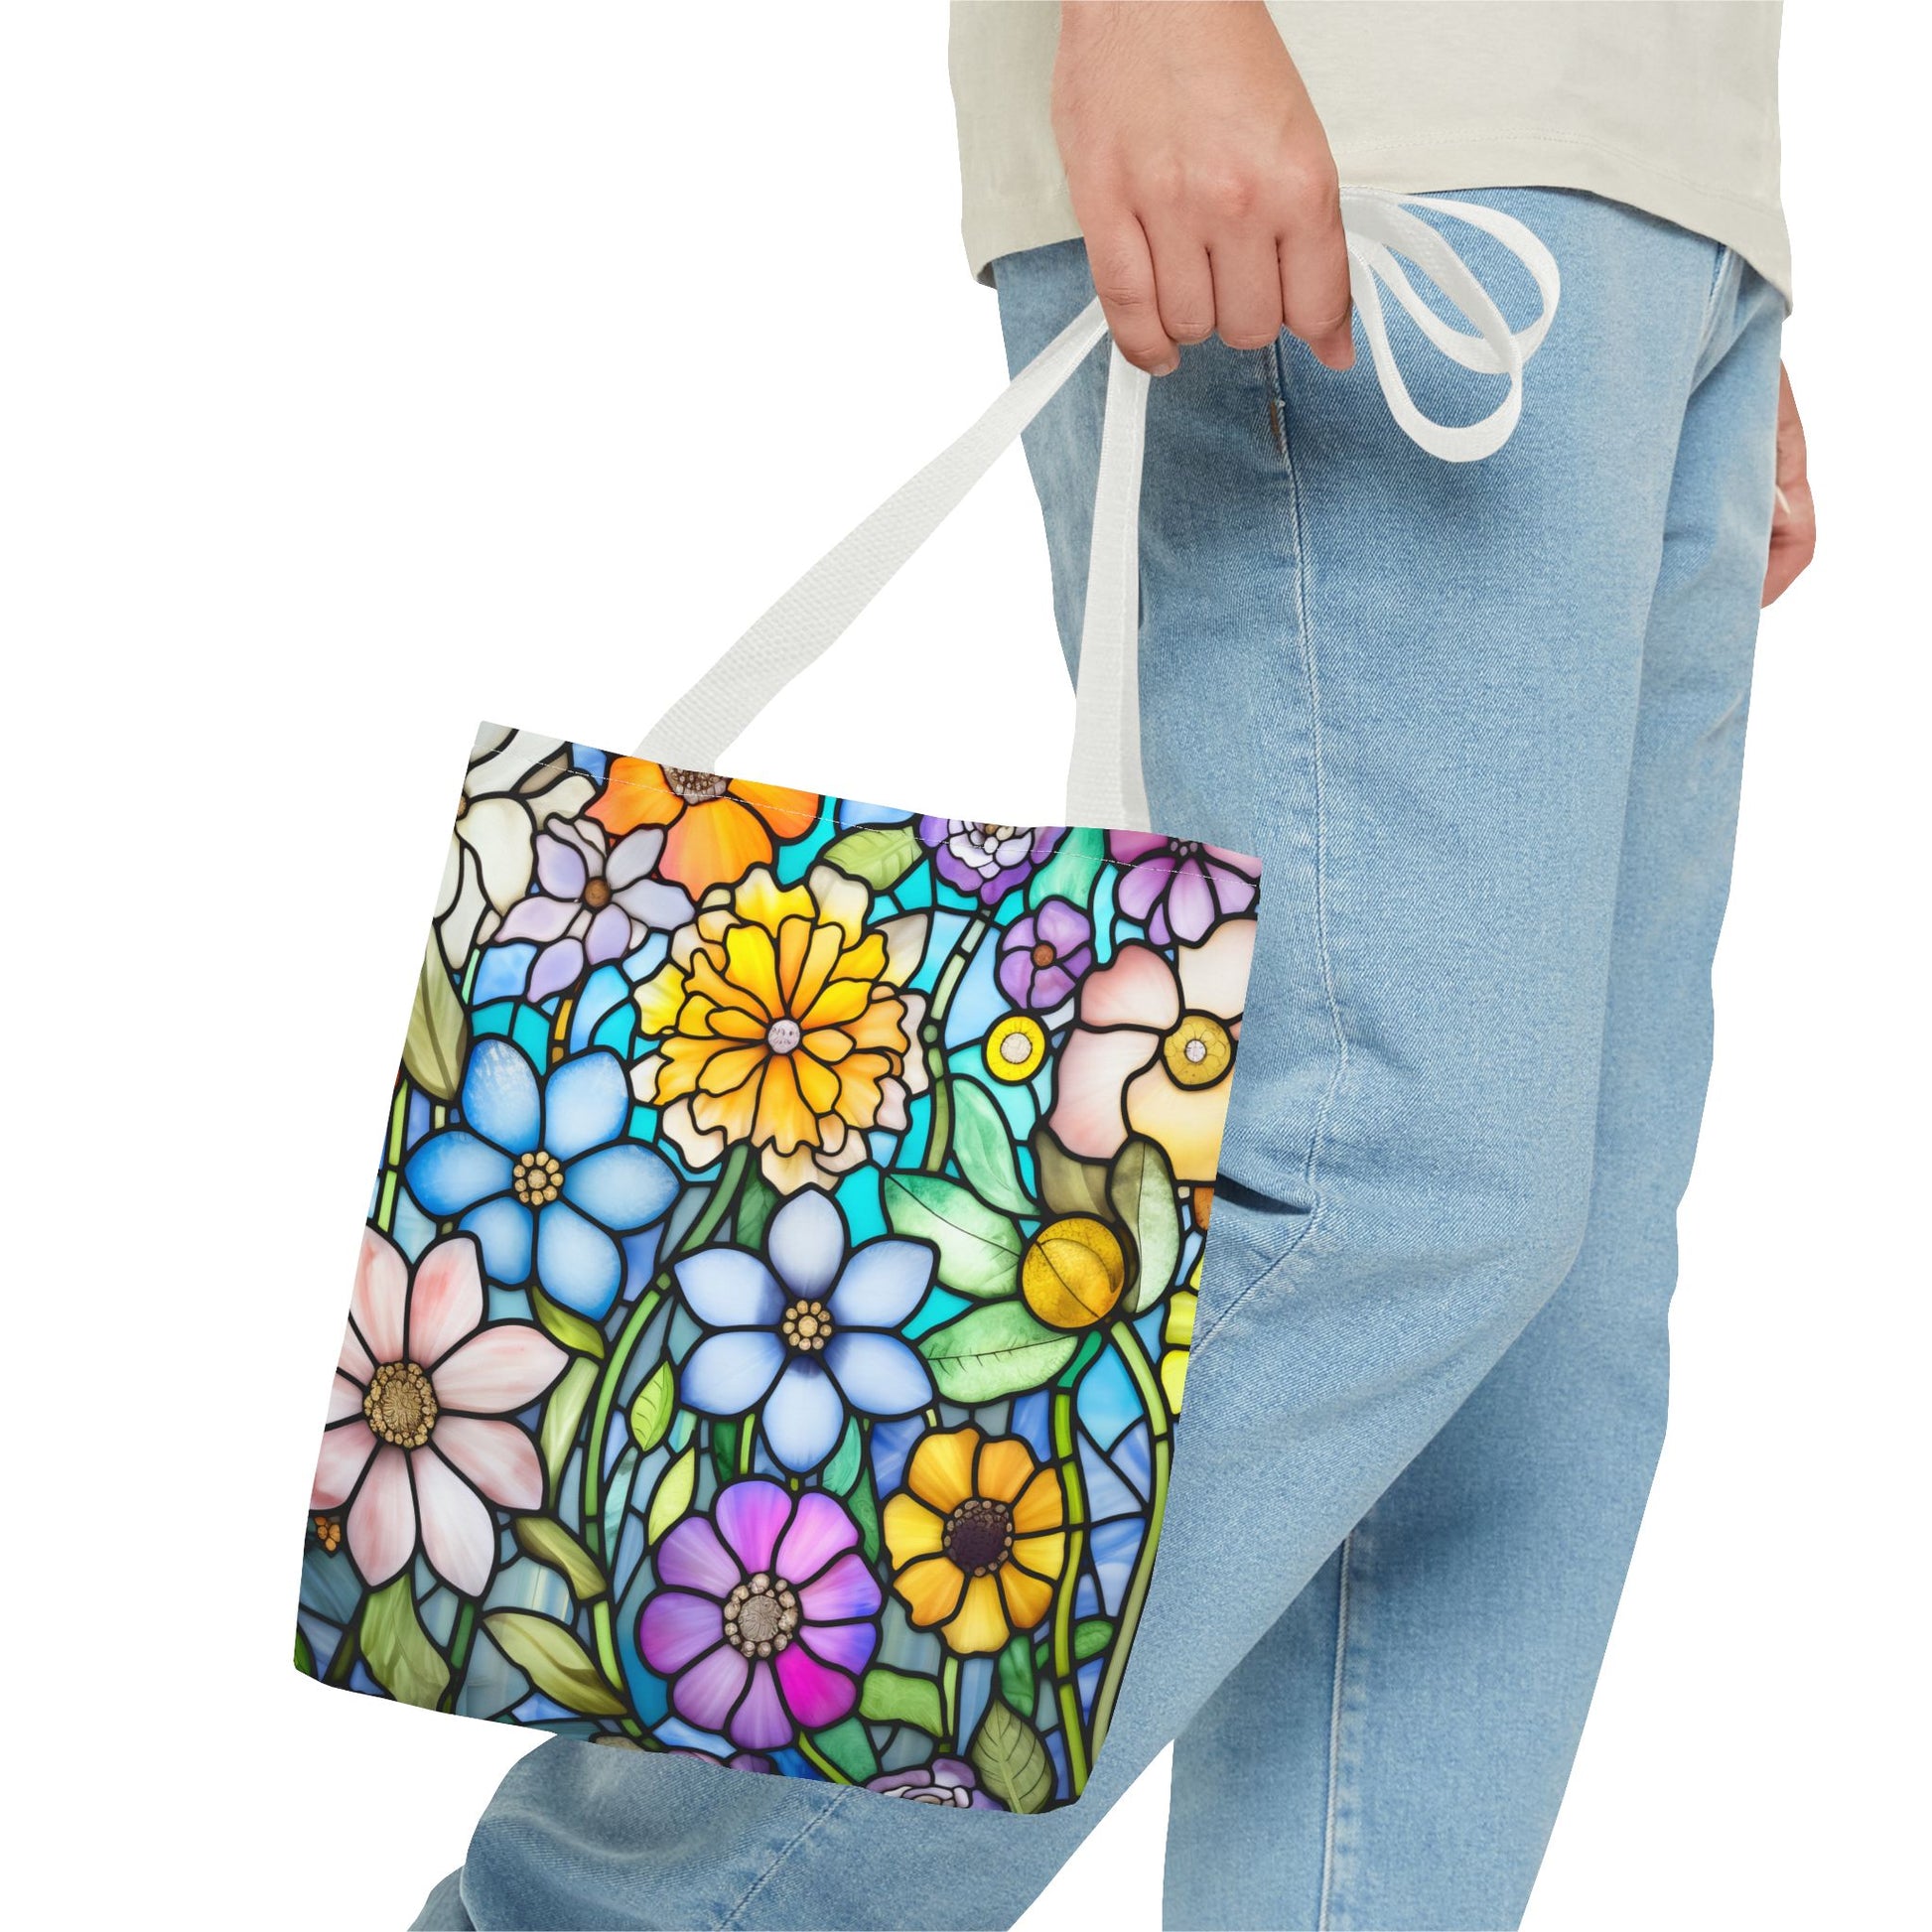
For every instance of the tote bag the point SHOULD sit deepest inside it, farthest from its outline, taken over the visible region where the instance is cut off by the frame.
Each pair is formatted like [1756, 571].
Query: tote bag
[771, 1319]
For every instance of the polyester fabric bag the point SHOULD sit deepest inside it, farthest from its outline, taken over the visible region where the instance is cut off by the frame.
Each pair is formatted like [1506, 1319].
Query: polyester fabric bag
[773, 1312]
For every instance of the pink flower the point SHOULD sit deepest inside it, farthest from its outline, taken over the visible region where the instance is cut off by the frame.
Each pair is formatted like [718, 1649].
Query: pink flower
[414, 1443]
[1178, 888]
[1152, 1051]
[765, 1614]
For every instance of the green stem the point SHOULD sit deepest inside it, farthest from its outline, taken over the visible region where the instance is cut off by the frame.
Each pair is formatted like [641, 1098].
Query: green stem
[385, 1211]
[604, 1632]
[605, 1400]
[461, 1640]
[1127, 1340]
[949, 1699]
[811, 1754]
[939, 1141]
[628, 1336]
[1067, 1689]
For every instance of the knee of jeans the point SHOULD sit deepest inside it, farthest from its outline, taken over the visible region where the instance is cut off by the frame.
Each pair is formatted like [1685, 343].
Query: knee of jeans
[1533, 1244]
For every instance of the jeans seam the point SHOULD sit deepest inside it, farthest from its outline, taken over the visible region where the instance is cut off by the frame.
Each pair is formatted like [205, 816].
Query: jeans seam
[1720, 264]
[1311, 685]
[735, 1915]
[1323, 1921]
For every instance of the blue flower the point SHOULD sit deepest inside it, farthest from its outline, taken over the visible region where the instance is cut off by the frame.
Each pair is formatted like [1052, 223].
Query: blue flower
[808, 1335]
[539, 1170]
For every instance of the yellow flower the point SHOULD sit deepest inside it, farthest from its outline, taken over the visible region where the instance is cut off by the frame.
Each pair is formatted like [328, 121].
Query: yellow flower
[976, 1538]
[784, 1022]
[1015, 1049]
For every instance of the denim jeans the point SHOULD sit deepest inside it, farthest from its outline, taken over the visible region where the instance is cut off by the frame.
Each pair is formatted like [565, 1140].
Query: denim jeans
[1484, 723]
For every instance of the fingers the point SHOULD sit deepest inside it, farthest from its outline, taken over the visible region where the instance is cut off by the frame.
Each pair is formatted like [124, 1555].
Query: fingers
[1794, 522]
[1123, 278]
[1247, 290]
[1183, 282]
[1315, 274]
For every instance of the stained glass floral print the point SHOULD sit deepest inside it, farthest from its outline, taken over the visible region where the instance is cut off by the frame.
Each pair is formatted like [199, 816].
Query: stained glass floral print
[774, 1300]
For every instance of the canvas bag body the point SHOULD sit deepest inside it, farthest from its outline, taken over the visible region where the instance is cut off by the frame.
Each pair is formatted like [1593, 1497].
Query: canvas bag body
[769, 1331]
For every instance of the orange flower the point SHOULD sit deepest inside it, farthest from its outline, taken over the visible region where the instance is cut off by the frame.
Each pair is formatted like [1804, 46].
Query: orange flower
[977, 1538]
[782, 1020]
[719, 828]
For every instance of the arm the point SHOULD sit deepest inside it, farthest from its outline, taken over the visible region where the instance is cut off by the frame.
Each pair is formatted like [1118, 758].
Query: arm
[1202, 178]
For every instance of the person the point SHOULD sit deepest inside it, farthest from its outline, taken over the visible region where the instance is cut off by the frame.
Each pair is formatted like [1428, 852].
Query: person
[1483, 723]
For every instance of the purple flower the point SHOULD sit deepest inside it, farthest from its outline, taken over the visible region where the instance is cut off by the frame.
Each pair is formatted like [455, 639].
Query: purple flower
[1042, 955]
[592, 904]
[945, 1781]
[1180, 889]
[807, 1329]
[765, 1614]
[987, 860]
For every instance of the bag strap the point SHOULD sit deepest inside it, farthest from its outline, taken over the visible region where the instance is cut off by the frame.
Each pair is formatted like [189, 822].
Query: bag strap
[1105, 788]
[1105, 784]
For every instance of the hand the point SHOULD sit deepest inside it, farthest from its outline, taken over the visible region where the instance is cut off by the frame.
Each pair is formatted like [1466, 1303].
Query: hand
[1201, 178]
[1794, 527]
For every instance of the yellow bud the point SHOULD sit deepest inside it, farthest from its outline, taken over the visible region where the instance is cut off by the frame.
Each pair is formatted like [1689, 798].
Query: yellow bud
[1074, 1273]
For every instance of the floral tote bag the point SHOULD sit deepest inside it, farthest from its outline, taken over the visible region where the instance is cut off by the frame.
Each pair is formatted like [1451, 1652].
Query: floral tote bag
[772, 1320]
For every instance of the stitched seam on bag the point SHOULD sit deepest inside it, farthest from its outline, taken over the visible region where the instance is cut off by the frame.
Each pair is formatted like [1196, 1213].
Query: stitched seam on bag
[1311, 684]
[806, 820]
[737, 1913]
[1323, 1921]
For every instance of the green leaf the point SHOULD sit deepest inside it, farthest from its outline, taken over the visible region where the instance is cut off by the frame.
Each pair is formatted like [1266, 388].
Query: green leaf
[554, 1661]
[1091, 1635]
[546, 1539]
[1012, 1761]
[979, 1249]
[863, 1502]
[842, 1472]
[724, 1448]
[305, 1658]
[894, 1697]
[397, 1649]
[1017, 1673]
[995, 1351]
[757, 1204]
[438, 1042]
[566, 1326]
[1068, 1186]
[557, 1433]
[847, 1745]
[881, 854]
[983, 1149]
[673, 1496]
[650, 1408]
[1069, 873]
[1142, 1191]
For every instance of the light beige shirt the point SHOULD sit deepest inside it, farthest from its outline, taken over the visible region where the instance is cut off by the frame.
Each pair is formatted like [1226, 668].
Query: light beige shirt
[1668, 105]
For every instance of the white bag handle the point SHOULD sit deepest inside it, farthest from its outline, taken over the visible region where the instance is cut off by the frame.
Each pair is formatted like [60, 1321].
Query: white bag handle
[1105, 785]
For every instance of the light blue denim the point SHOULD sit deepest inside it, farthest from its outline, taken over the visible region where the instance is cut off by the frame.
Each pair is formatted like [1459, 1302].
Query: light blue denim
[1484, 724]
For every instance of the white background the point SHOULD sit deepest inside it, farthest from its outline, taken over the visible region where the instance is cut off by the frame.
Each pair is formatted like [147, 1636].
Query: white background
[372, 368]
